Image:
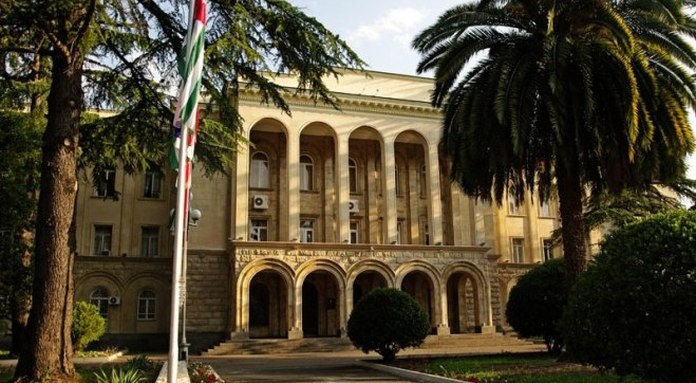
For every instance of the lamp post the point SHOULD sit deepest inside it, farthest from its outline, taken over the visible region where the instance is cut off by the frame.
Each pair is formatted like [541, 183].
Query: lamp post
[194, 216]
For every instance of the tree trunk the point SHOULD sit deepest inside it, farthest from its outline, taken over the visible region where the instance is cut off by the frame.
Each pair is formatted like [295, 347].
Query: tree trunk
[20, 304]
[570, 195]
[49, 351]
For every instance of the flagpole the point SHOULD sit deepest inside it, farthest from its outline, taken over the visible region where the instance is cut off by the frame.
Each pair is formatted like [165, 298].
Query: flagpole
[180, 215]
[185, 119]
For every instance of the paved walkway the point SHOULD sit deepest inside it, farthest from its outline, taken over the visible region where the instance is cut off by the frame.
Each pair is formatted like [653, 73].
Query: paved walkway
[334, 367]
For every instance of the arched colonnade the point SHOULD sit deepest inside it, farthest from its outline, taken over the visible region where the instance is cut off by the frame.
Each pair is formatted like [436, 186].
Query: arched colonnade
[273, 300]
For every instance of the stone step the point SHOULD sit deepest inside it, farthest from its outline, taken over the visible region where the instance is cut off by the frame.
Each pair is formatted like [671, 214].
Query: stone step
[286, 346]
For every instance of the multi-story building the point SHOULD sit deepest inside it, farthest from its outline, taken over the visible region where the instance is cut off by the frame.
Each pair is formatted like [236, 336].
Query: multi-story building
[321, 207]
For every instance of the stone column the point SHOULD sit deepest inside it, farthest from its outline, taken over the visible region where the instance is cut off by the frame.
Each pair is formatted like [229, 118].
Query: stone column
[434, 202]
[293, 196]
[389, 190]
[240, 199]
[342, 188]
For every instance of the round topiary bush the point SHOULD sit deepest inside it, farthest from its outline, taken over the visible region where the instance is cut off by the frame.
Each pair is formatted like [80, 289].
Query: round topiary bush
[87, 325]
[634, 309]
[386, 321]
[536, 303]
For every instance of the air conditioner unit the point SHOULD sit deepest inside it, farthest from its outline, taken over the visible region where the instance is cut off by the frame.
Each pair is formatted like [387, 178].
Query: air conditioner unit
[353, 206]
[259, 202]
[114, 301]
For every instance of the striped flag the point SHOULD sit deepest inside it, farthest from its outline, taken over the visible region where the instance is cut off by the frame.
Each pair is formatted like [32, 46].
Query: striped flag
[185, 126]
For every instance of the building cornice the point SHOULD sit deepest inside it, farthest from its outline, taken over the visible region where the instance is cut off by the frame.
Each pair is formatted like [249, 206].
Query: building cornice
[349, 102]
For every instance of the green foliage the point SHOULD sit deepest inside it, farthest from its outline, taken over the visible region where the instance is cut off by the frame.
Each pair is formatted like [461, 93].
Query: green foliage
[633, 309]
[536, 303]
[519, 368]
[20, 143]
[120, 375]
[387, 320]
[87, 326]
[584, 95]
[140, 362]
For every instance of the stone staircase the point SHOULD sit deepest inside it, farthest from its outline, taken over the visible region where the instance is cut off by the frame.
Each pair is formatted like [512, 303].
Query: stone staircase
[286, 346]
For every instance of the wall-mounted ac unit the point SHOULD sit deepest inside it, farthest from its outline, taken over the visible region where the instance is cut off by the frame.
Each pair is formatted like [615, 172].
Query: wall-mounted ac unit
[259, 202]
[114, 301]
[353, 206]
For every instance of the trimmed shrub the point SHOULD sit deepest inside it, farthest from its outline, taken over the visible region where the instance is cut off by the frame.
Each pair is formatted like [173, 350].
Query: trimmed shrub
[536, 303]
[386, 321]
[87, 325]
[634, 309]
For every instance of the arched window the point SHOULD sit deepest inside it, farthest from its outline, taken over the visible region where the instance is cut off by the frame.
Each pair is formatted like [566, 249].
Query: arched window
[259, 176]
[147, 305]
[306, 173]
[100, 298]
[352, 175]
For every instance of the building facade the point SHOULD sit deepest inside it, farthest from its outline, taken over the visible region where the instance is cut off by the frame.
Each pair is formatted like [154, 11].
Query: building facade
[321, 207]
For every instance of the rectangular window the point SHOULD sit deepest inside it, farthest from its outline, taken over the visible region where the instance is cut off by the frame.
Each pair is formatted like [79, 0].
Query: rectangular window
[152, 186]
[544, 209]
[518, 250]
[547, 248]
[258, 230]
[102, 240]
[147, 304]
[399, 227]
[353, 176]
[149, 241]
[106, 183]
[513, 206]
[354, 231]
[424, 231]
[307, 230]
[306, 174]
[259, 176]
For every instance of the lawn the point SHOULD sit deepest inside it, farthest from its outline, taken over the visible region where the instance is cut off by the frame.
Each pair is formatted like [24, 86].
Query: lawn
[513, 368]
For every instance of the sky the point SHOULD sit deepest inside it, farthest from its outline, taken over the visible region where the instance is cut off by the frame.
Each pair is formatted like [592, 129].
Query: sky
[381, 31]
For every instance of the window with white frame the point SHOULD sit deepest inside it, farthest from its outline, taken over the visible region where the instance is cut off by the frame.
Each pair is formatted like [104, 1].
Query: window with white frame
[260, 175]
[306, 173]
[354, 231]
[307, 230]
[547, 248]
[102, 240]
[106, 183]
[352, 175]
[513, 205]
[258, 230]
[149, 241]
[100, 298]
[518, 250]
[147, 305]
[544, 209]
[152, 184]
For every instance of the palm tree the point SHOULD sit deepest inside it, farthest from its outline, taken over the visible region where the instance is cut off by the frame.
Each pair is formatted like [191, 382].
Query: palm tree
[584, 94]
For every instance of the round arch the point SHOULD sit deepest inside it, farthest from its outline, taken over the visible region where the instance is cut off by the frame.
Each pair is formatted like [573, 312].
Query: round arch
[433, 275]
[339, 276]
[244, 282]
[477, 311]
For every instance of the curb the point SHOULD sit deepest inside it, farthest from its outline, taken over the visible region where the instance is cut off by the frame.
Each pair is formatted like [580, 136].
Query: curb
[408, 374]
